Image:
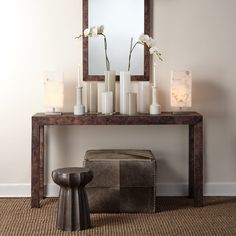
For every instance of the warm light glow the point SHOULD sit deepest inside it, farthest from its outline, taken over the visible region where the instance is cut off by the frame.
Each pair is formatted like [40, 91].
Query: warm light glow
[181, 89]
[53, 91]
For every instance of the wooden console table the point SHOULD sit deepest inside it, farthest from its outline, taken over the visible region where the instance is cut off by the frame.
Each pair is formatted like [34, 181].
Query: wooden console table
[192, 119]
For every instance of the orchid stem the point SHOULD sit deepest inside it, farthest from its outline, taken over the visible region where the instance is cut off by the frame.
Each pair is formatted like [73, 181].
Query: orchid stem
[131, 51]
[105, 46]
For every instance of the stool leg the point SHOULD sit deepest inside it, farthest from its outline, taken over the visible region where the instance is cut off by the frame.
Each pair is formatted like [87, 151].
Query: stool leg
[84, 209]
[73, 211]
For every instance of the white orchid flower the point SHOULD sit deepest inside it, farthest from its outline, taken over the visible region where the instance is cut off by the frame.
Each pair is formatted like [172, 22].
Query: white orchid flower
[151, 42]
[153, 50]
[94, 31]
[148, 41]
[86, 32]
[100, 29]
[146, 38]
[141, 38]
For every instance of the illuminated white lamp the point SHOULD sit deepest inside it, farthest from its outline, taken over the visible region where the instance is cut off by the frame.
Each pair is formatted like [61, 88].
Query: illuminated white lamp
[53, 92]
[181, 90]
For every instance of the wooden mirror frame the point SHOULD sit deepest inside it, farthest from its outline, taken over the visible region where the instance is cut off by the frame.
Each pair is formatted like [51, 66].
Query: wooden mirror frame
[147, 58]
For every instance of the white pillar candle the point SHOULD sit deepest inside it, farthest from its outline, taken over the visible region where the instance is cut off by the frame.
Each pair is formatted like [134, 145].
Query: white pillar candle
[79, 77]
[92, 97]
[154, 75]
[144, 96]
[154, 95]
[125, 86]
[79, 100]
[131, 108]
[107, 103]
[110, 85]
[101, 89]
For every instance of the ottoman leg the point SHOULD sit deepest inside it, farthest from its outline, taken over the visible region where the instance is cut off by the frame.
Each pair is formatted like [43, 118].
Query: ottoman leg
[73, 212]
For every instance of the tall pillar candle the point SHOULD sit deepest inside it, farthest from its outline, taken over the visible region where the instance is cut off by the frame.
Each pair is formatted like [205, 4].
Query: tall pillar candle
[125, 86]
[110, 85]
[79, 94]
[144, 96]
[154, 75]
[79, 76]
[92, 97]
[131, 108]
[101, 89]
[107, 103]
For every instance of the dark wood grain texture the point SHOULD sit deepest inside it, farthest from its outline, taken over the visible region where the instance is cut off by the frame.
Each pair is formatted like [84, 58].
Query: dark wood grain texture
[35, 164]
[147, 30]
[41, 130]
[191, 160]
[85, 42]
[166, 118]
[147, 57]
[193, 119]
[198, 164]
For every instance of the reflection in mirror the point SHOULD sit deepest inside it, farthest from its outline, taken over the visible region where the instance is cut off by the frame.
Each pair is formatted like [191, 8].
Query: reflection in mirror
[122, 20]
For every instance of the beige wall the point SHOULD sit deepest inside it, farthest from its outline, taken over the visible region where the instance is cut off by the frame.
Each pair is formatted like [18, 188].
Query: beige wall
[199, 35]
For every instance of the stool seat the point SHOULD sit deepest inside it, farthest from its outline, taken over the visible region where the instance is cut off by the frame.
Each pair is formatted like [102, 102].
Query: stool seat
[73, 209]
[71, 177]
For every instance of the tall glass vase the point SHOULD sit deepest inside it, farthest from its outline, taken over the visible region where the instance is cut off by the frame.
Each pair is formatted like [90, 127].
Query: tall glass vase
[110, 85]
[125, 87]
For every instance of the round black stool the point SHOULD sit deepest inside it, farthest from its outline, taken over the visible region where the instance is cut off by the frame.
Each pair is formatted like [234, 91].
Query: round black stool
[73, 209]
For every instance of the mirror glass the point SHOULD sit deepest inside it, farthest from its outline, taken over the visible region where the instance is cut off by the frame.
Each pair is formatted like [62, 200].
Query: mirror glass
[122, 19]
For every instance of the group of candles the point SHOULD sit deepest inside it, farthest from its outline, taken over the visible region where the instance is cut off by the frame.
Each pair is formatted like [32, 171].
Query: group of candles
[106, 97]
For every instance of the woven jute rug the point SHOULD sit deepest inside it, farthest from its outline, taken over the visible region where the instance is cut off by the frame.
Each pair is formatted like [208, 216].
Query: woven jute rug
[175, 216]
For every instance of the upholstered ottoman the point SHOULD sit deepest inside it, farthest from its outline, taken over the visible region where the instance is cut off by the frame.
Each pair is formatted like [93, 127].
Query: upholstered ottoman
[124, 181]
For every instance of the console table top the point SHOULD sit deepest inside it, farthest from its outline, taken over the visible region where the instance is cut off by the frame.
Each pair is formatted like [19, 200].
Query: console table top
[188, 118]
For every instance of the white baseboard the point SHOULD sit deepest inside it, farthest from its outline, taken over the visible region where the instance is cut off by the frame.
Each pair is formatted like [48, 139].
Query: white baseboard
[163, 189]
[15, 190]
[220, 189]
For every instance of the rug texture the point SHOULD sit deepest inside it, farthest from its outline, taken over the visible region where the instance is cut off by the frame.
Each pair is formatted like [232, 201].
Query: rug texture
[175, 216]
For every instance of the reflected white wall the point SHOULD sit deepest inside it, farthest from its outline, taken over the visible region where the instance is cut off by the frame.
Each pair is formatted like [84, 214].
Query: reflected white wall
[122, 20]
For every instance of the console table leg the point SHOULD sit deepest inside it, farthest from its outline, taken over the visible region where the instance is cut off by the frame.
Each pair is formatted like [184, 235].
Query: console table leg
[197, 165]
[191, 161]
[35, 165]
[41, 130]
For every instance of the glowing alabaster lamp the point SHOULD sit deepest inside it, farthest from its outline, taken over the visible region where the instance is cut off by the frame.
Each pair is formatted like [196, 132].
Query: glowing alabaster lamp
[181, 90]
[53, 92]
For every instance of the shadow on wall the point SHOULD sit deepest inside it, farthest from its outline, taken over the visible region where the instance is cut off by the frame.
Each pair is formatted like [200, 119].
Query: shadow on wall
[210, 98]
[62, 153]
[166, 172]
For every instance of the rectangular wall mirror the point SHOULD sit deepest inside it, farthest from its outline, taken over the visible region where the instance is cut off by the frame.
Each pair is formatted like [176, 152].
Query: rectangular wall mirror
[122, 19]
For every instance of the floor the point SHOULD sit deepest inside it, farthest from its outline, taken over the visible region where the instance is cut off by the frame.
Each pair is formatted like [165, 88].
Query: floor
[175, 216]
